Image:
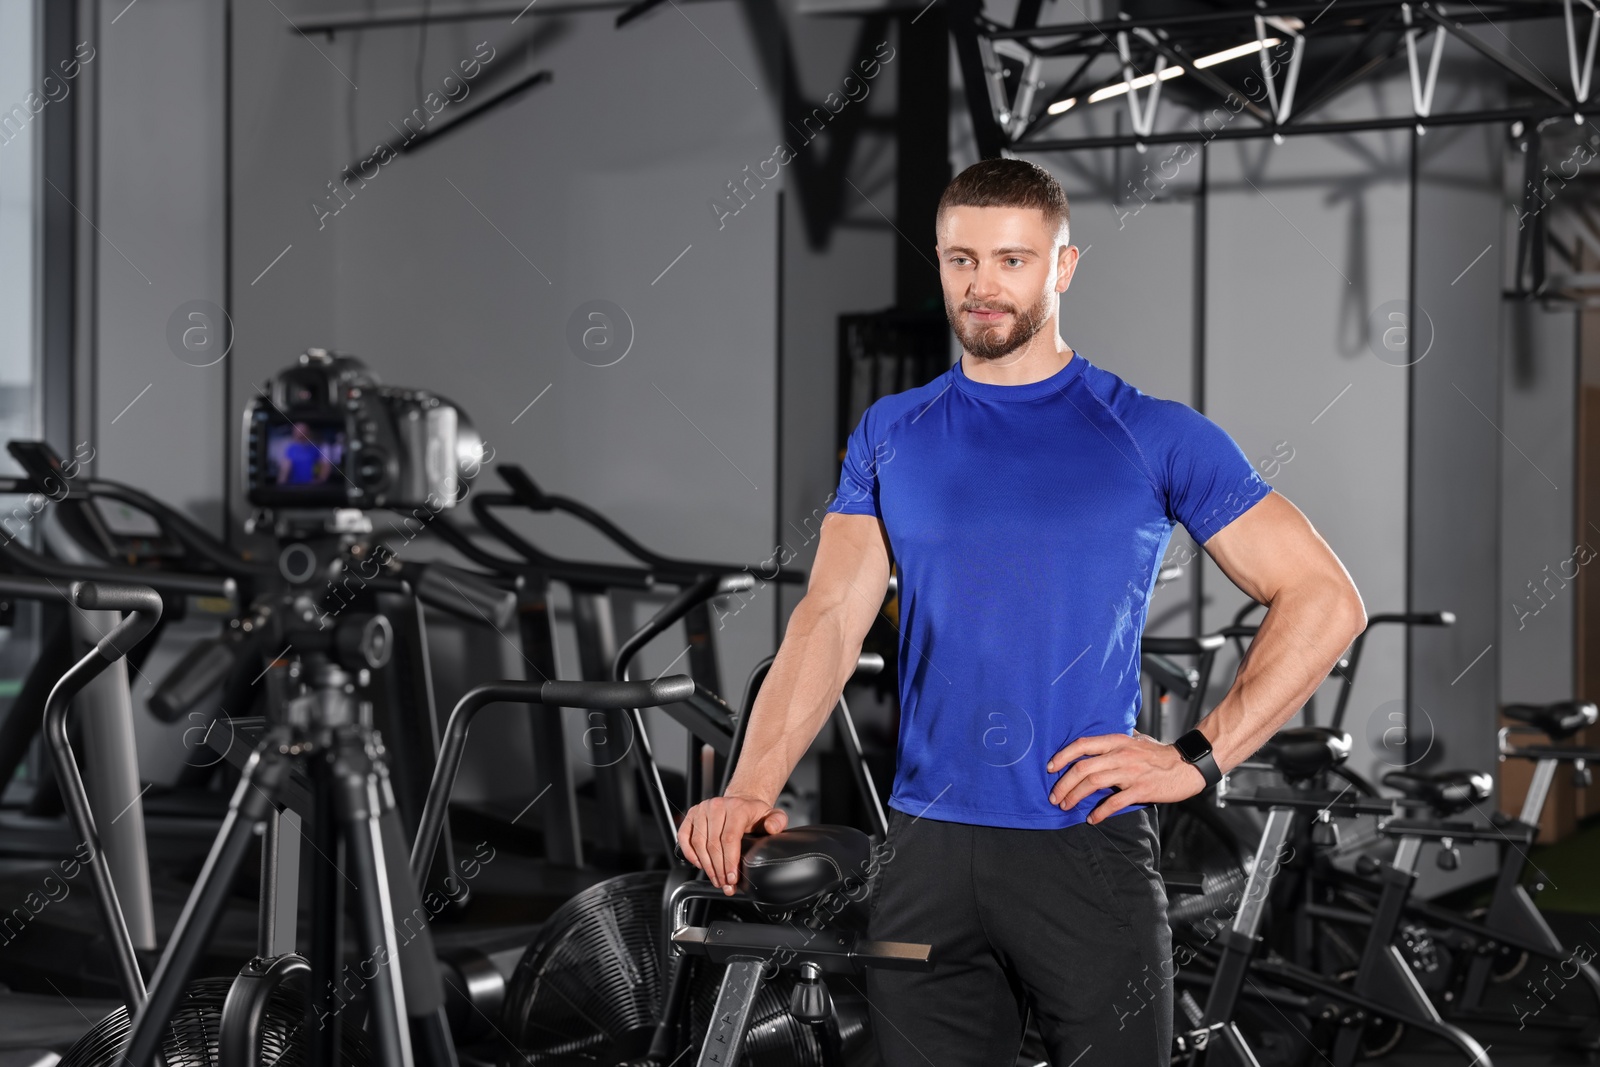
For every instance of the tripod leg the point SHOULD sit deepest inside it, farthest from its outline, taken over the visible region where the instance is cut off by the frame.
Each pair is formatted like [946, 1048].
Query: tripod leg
[259, 783]
[356, 789]
[419, 963]
[325, 1005]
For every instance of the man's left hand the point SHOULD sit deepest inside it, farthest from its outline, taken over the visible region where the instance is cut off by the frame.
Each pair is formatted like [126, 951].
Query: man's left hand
[1139, 768]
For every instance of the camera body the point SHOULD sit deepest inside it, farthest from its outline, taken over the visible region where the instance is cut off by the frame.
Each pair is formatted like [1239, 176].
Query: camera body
[325, 433]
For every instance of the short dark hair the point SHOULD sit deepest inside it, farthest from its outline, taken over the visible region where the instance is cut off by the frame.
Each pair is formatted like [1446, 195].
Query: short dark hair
[1008, 183]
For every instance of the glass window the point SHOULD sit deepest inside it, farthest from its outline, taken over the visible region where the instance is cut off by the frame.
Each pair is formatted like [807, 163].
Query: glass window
[22, 104]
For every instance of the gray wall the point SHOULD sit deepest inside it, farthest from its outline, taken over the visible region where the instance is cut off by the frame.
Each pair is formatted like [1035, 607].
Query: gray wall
[157, 419]
[21, 90]
[458, 267]
[1306, 238]
[1536, 622]
[1457, 450]
[852, 271]
[155, 415]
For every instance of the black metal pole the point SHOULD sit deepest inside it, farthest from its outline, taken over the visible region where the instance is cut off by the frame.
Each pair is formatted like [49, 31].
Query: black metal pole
[1294, 129]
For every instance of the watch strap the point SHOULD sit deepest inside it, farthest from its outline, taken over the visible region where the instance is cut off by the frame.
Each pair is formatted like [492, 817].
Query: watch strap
[1209, 769]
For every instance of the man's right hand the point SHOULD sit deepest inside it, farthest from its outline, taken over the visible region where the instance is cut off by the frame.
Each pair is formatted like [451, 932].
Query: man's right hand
[712, 834]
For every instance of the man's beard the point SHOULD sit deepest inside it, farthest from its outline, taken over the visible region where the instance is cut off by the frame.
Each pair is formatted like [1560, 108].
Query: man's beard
[992, 341]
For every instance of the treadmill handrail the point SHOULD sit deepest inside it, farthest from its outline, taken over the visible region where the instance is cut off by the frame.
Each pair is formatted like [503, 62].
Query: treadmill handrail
[178, 583]
[611, 575]
[189, 534]
[700, 592]
[668, 568]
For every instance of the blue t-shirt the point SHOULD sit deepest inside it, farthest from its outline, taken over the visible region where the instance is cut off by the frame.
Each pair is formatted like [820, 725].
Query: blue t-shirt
[1027, 524]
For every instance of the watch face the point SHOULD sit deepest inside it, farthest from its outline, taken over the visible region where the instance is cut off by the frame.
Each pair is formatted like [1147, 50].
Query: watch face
[1192, 745]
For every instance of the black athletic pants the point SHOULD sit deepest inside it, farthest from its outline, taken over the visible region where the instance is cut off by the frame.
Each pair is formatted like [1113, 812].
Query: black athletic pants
[1069, 924]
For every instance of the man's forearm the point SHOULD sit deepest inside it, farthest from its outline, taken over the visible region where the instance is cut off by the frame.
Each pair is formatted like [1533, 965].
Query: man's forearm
[1303, 635]
[794, 702]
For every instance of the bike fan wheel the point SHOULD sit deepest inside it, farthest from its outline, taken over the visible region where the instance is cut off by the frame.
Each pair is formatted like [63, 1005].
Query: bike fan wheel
[586, 993]
[191, 1039]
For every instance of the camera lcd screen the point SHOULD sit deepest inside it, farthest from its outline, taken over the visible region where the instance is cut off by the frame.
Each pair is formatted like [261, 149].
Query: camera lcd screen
[307, 452]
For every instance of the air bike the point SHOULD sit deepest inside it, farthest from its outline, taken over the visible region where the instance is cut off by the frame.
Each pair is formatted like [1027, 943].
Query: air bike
[657, 967]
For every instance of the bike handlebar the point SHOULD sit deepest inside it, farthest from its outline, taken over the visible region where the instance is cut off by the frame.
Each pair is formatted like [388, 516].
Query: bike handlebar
[1414, 618]
[553, 694]
[144, 607]
[1182, 646]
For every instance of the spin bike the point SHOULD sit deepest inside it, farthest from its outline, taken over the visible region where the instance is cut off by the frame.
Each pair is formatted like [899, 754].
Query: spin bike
[1363, 1013]
[1467, 963]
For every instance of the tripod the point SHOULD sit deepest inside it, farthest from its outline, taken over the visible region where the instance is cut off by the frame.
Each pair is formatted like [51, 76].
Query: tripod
[317, 722]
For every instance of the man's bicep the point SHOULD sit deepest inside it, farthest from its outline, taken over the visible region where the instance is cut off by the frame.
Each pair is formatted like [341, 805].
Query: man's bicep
[1271, 546]
[851, 572]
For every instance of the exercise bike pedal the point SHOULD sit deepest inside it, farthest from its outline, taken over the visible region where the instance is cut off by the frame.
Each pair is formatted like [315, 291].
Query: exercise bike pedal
[1196, 1040]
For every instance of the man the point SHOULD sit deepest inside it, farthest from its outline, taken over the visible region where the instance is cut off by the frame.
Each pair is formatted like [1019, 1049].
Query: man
[1026, 497]
[302, 462]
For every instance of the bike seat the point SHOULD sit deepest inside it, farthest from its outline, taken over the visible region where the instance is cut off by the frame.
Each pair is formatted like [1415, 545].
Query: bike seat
[1559, 720]
[799, 865]
[1306, 751]
[1446, 792]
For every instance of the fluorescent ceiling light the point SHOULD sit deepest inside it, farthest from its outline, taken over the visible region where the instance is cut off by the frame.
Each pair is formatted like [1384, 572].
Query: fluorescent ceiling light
[1233, 53]
[1167, 74]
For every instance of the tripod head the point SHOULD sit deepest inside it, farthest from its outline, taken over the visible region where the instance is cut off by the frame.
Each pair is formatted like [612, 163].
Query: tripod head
[318, 682]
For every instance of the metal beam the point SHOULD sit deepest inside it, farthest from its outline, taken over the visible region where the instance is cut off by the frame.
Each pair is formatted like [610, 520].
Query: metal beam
[365, 20]
[1532, 77]
[1205, 77]
[1245, 16]
[1389, 122]
[965, 17]
[1328, 87]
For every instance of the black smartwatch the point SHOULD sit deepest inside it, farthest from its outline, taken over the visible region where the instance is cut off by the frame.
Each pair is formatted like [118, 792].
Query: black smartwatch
[1196, 751]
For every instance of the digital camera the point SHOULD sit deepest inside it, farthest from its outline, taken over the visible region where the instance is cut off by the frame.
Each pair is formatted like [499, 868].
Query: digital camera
[325, 433]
